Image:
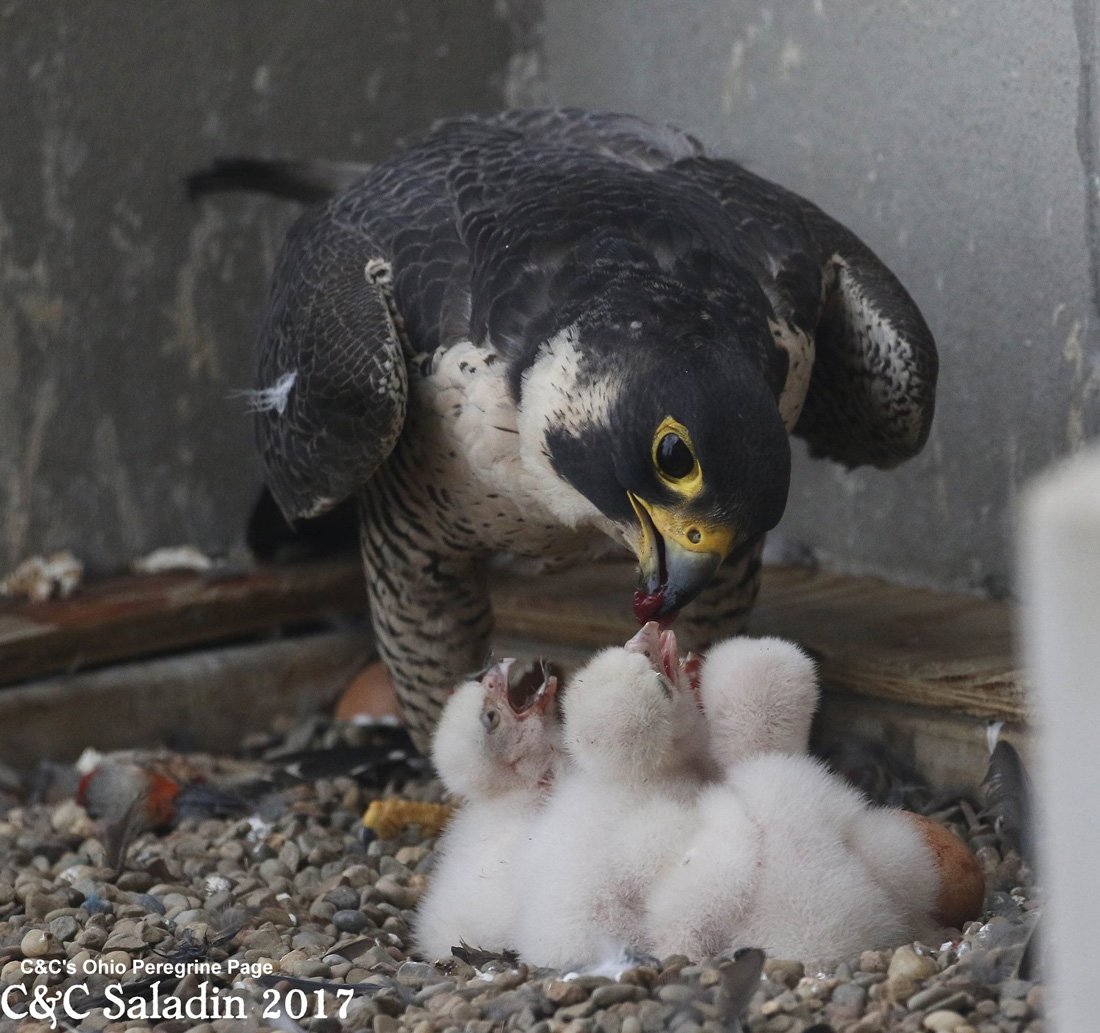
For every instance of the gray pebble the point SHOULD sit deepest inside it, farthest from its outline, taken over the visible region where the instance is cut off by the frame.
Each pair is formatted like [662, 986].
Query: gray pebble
[851, 996]
[343, 898]
[385, 1024]
[266, 941]
[328, 908]
[927, 997]
[417, 974]
[290, 856]
[64, 928]
[35, 944]
[193, 915]
[310, 938]
[124, 941]
[959, 1001]
[392, 892]
[150, 903]
[389, 865]
[580, 1010]
[38, 905]
[563, 992]
[1014, 988]
[272, 868]
[136, 882]
[689, 1025]
[943, 1021]
[444, 986]
[350, 921]
[676, 993]
[297, 964]
[784, 971]
[616, 993]
[97, 905]
[511, 1003]
[92, 937]
[590, 982]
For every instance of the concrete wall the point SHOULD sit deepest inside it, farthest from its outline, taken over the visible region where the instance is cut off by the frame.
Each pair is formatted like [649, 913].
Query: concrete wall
[126, 313]
[960, 141]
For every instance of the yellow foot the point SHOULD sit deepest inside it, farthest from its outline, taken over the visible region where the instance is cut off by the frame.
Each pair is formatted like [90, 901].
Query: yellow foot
[387, 819]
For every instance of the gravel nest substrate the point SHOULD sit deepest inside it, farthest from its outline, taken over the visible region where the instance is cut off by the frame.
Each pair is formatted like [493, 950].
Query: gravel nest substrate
[305, 894]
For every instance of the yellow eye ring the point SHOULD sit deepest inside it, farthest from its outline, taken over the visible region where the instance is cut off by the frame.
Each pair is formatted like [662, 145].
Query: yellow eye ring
[674, 458]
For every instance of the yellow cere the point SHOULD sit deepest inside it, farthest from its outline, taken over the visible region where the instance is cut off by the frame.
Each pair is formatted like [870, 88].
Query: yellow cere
[693, 535]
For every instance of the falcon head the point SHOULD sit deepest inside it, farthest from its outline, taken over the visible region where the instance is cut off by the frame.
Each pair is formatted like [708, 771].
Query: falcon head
[674, 444]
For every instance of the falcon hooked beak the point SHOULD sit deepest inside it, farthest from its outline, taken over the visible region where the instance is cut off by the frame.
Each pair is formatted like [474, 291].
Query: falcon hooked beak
[677, 557]
[685, 471]
[683, 534]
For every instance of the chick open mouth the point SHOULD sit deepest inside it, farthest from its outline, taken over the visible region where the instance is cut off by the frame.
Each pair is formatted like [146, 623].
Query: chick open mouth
[531, 687]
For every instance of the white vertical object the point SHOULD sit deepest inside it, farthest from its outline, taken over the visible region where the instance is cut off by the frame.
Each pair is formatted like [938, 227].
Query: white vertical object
[1060, 570]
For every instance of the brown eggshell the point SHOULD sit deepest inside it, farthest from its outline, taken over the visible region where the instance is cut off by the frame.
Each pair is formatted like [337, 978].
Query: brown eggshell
[370, 693]
[962, 884]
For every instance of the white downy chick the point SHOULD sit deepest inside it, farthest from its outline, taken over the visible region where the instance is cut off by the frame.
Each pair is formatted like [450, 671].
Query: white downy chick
[759, 695]
[789, 858]
[691, 734]
[614, 819]
[497, 747]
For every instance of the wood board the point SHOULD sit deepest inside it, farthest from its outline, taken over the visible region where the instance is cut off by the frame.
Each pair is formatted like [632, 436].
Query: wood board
[952, 653]
[153, 614]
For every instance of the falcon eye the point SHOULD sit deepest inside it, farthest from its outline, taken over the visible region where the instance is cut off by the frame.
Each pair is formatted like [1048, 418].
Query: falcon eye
[490, 719]
[674, 458]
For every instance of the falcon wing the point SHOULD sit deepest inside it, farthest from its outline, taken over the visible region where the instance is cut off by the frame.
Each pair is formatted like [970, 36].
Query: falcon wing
[645, 145]
[332, 378]
[872, 389]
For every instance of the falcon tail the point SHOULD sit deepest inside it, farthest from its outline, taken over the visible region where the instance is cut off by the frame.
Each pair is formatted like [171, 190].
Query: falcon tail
[304, 181]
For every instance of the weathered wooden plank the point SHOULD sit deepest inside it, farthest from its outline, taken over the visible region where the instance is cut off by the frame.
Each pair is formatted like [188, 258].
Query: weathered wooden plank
[932, 649]
[916, 670]
[949, 750]
[158, 613]
[949, 652]
[209, 699]
[873, 639]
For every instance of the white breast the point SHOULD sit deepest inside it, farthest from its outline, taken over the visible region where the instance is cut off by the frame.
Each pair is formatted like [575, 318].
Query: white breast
[467, 410]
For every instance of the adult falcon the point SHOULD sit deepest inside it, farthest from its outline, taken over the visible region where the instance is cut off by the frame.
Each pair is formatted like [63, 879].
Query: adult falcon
[551, 333]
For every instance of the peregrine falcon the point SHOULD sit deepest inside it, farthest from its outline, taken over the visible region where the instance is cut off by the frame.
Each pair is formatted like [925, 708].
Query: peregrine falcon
[545, 334]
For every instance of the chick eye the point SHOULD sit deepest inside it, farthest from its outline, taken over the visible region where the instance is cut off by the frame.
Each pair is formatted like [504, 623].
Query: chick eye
[674, 458]
[490, 719]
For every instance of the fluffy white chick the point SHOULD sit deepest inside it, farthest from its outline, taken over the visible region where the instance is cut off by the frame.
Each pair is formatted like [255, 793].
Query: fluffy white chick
[789, 858]
[759, 696]
[613, 823]
[497, 747]
[691, 734]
